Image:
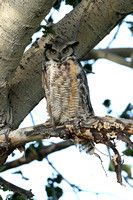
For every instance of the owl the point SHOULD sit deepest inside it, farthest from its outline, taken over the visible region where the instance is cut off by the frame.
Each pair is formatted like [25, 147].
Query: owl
[65, 85]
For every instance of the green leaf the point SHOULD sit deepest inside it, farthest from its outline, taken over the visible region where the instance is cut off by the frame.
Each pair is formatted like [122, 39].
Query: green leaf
[13, 154]
[50, 19]
[127, 169]
[73, 3]
[58, 179]
[47, 30]
[128, 152]
[88, 68]
[57, 4]
[16, 196]
[54, 192]
[49, 191]
[111, 166]
[128, 112]
[5, 188]
[59, 192]
[1, 197]
[38, 28]
[107, 103]
[2, 167]
[50, 181]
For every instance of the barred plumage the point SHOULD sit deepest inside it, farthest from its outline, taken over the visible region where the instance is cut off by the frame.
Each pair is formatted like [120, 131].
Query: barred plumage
[65, 84]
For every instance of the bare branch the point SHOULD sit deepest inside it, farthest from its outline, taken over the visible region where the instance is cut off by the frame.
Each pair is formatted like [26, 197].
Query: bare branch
[117, 55]
[92, 129]
[72, 185]
[43, 152]
[105, 130]
[109, 126]
[16, 189]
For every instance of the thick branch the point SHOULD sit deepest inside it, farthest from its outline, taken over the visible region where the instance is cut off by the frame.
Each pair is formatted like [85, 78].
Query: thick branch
[88, 23]
[18, 21]
[91, 21]
[98, 129]
[122, 52]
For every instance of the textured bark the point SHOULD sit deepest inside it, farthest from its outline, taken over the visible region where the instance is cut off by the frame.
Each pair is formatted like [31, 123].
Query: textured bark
[104, 130]
[88, 23]
[98, 129]
[18, 21]
[20, 82]
[20, 90]
[16, 189]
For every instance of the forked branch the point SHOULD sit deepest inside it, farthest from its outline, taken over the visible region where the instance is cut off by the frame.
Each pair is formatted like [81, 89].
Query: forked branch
[105, 130]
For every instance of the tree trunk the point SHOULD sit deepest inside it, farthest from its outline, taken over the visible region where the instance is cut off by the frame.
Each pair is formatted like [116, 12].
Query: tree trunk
[20, 81]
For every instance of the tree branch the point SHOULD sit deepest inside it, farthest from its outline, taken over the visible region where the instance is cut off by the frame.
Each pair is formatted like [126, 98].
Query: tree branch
[18, 22]
[16, 189]
[86, 19]
[31, 156]
[105, 130]
[91, 129]
[117, 55]
[72, 185]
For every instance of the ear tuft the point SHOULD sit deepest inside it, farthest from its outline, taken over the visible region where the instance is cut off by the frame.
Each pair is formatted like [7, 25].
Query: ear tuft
[75, 43]
[72, 43]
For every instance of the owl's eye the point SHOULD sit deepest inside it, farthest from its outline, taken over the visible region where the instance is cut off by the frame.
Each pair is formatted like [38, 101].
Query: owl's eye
[65, 50]
[52, 51]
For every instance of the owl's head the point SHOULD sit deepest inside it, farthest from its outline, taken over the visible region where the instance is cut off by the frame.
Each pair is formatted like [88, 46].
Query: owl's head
[59, 50]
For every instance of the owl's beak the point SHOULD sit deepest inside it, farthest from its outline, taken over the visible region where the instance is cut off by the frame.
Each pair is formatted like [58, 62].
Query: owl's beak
[59, 56]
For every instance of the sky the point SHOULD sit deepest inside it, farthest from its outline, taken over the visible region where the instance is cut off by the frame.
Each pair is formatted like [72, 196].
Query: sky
[109, 81]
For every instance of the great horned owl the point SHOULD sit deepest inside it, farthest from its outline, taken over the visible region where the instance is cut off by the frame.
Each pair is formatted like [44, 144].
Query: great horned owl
[65, 84]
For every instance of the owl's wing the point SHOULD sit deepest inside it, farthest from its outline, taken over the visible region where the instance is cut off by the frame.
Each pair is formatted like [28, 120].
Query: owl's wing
[84, 91]
[43, 83]
[85, 145]
[44, 80]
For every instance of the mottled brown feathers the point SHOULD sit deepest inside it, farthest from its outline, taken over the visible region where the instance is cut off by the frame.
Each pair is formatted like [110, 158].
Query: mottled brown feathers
[65, 83]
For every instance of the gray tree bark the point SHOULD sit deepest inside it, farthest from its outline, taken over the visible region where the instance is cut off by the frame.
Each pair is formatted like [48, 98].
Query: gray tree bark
[20, 74]
[20, 85]
[18, 21]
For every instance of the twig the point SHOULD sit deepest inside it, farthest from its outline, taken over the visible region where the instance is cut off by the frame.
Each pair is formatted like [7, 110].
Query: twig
[16, 189]
[123, 137]
[114, 37]
[31, 156]
[72, 185]
[117, 162]
[126, 179]
[101, 163]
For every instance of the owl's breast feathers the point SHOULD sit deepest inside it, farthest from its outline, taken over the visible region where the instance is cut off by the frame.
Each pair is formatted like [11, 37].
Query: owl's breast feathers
[66, 90]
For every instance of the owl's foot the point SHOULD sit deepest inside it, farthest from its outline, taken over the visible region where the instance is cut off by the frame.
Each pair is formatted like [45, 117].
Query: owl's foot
[87, 146]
